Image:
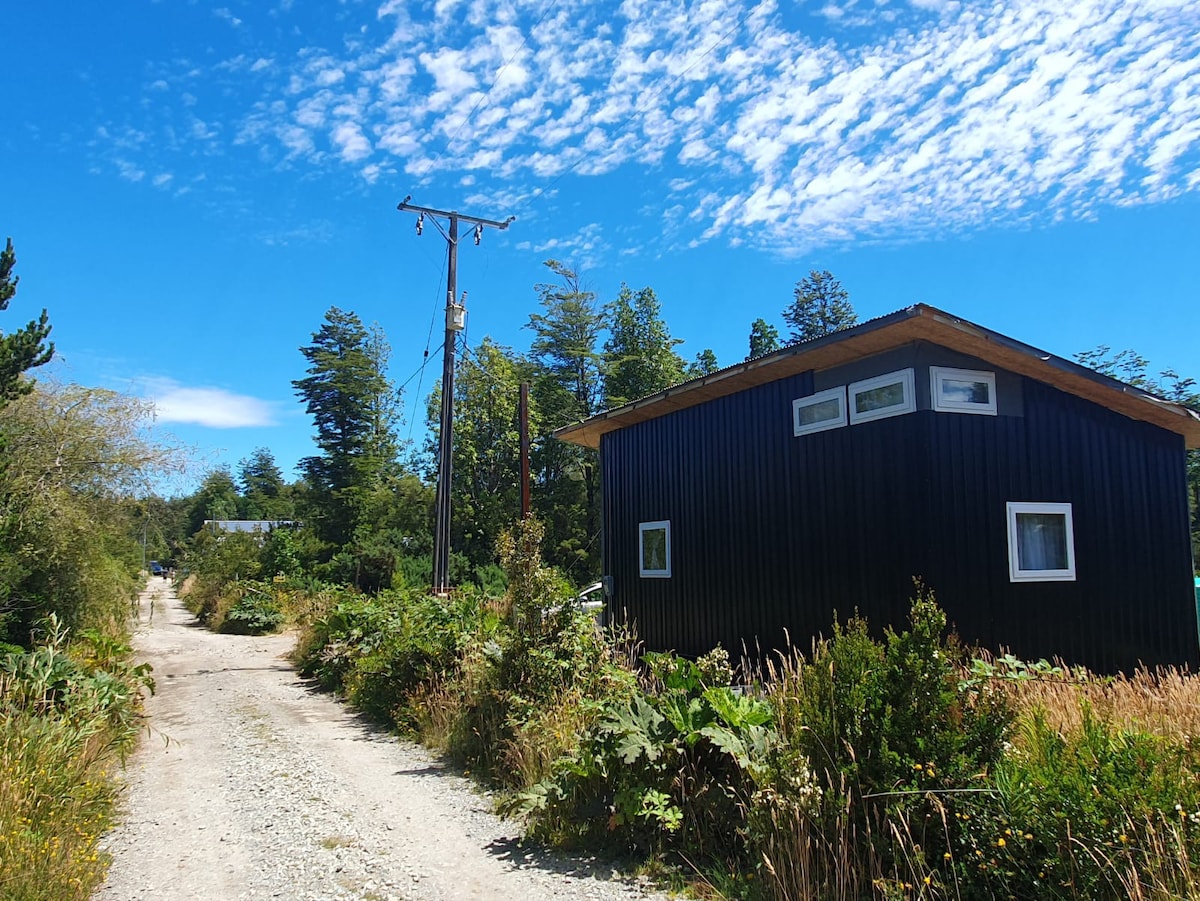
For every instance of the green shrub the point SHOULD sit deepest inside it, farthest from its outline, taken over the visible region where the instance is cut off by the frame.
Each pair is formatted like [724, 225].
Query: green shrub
[491, 580]
[1074, 814]
[671, 767]
[529, 690]
[216, 566]
[880, 743]
[414, 572]
[417, 638]
[256, 612]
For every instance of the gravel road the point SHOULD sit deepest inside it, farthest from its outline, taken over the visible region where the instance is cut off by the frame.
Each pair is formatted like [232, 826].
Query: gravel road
[253, 785]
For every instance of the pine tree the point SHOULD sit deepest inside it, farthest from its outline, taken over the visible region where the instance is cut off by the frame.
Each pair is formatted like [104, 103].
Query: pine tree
[216, 498]
[639, 355]
[705, 364]
[351, 401]
[567, 387]
[764, 339]
[264, 493]
[821, 307]
[24, 349]
[564, 344]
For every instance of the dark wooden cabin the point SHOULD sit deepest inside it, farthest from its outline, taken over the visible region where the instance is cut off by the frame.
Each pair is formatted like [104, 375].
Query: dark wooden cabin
[1043, 503]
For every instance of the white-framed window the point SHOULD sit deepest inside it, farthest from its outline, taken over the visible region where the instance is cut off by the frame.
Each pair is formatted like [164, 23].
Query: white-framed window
[1041, 542]
[820, 411]
[654, 549]
[882, 396]
[963, 390]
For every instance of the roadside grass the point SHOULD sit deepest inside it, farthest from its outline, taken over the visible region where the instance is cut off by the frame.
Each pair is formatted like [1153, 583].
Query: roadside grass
[56, 801]
[68, 715]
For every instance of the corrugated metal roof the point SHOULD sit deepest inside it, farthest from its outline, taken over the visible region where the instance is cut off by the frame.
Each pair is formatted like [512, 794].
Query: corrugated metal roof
[916, 323]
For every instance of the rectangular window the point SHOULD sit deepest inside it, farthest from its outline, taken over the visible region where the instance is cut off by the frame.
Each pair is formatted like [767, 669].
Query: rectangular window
[882, 396]
[963, 390]
[654, 549]
[820, 411]
[1041, 543]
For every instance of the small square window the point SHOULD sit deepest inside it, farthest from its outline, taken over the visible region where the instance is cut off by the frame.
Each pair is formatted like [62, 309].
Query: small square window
[820, 411]
[654, 549]
[963, 390]
[882, 396]
[1041, 543]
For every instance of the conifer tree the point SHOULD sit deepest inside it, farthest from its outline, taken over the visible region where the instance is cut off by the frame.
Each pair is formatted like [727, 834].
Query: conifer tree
[639, 355]
[821, 307]
[353, 406]
[26, 348]
[764, 339]
[705, 364]
[567, 387]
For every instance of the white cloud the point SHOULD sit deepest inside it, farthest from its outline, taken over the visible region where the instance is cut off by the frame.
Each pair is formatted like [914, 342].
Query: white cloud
[944, 114]
[353, 143]
[330, 76]
[129, 171]
[213, 407]
[229, 17]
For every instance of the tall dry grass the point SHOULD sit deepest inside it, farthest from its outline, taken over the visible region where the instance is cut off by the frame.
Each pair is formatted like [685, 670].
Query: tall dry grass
[56, 801]
[1163, 701]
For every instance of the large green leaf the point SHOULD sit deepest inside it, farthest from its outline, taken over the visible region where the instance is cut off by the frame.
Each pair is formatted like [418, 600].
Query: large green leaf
[737, 710]
[637, 729]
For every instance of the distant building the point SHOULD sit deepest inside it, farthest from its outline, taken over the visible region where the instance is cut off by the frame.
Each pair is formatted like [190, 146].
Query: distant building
[247, 525]
[1044, 504]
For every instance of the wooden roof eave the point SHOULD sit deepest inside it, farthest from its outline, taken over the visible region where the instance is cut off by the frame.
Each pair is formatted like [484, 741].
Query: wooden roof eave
[915, 323]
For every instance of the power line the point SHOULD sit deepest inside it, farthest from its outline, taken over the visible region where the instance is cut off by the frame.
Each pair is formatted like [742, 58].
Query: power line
[428, 340]
[419, 370]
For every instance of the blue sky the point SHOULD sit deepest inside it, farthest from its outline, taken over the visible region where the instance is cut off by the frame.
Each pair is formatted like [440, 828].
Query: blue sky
[191, 185]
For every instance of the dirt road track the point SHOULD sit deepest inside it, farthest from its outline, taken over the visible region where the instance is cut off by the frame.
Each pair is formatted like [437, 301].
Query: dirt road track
[253, 785]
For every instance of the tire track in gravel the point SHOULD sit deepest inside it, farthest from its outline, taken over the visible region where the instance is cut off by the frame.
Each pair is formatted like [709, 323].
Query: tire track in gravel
[252, 785]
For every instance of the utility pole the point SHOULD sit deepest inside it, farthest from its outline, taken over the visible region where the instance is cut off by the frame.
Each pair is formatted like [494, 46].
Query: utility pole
[456, 318]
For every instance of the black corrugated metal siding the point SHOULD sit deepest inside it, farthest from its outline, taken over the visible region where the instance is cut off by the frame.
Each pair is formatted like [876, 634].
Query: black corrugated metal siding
[772, 532]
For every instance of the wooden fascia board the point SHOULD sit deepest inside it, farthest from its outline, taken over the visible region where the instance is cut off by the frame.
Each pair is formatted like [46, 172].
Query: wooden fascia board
[833, 350]
[1065, 375]
[915, 323]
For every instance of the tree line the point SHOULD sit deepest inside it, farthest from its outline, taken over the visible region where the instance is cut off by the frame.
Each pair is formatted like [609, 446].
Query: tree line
[77, 509]
[365, 500]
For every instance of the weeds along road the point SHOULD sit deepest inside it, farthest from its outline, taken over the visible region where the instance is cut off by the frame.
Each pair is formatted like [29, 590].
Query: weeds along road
[251, 784]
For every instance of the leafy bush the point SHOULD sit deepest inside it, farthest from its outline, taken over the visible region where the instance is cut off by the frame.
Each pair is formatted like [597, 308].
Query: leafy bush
[256, 612]
[1080, 814]
[893, 740]
[668, 767]
[216, 565]
[528, 691]
[491, 579]
[417, 638]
